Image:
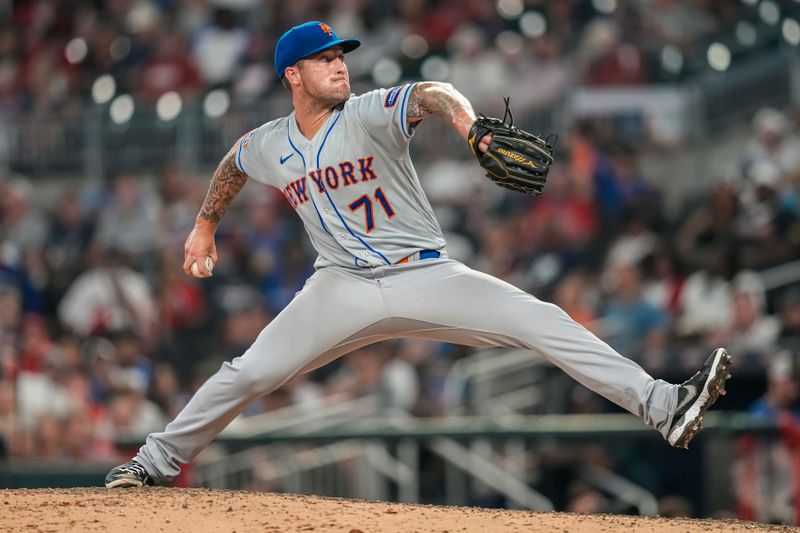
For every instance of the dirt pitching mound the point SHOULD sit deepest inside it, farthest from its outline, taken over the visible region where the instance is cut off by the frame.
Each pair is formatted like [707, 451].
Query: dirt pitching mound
[199, 510]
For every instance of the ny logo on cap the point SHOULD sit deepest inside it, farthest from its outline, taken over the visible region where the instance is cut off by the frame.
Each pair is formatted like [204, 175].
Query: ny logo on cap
[327, 29]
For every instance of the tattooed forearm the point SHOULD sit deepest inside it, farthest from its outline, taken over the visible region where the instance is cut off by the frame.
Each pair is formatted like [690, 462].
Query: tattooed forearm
[442, 100]
[228, 180]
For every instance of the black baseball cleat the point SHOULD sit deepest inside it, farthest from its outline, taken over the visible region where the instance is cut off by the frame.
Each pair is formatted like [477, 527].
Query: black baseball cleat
[696, 395]
[131, 474]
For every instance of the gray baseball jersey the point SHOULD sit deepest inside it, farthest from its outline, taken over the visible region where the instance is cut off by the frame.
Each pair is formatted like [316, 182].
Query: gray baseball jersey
[382, 273]
[353, 184]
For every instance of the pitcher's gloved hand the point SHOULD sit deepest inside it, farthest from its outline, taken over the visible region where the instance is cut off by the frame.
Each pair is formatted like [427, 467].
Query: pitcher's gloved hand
[515, 159]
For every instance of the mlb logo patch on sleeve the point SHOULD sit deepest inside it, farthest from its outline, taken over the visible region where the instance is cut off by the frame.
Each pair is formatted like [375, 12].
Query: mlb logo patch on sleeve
[391, 96]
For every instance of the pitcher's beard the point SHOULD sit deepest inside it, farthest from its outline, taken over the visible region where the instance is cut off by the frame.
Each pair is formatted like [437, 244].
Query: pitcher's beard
[337, 101]
[333, 99]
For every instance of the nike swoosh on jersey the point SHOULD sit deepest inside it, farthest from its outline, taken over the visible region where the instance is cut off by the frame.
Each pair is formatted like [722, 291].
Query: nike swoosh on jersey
[284, 159]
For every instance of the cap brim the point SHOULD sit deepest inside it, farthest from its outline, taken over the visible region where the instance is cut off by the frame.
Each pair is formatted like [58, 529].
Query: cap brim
[348, 45]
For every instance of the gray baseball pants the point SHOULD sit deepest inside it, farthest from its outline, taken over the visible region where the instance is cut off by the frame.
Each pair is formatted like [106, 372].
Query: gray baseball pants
[340, 310]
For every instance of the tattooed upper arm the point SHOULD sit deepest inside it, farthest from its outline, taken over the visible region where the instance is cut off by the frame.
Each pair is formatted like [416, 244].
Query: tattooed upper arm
[442, 100]
[435, 98]
[228, 180]
[415, 108]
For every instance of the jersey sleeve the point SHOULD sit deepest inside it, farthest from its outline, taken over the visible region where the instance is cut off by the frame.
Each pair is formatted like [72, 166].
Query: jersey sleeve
[382, 112]
[249, 159]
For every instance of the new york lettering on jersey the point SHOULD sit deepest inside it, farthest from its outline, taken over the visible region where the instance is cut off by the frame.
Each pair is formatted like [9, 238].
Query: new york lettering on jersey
[330, 178]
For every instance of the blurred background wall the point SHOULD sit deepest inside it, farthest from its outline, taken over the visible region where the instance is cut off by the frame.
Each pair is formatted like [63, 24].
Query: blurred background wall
[670, 226]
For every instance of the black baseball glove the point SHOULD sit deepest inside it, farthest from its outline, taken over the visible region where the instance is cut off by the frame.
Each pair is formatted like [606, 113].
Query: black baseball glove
[515, 159]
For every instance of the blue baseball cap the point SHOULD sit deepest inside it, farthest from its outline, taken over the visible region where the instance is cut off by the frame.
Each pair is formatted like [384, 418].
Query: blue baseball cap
[305, 40]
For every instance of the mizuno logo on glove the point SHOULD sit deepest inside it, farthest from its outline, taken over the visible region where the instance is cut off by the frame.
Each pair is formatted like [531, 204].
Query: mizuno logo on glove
[516, 157]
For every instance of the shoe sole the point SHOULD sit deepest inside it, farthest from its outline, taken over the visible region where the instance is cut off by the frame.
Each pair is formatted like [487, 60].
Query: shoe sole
[713, 388]
[124, 483]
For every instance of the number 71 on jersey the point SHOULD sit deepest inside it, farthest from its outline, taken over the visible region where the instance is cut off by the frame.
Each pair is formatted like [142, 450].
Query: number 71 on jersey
[366, 202]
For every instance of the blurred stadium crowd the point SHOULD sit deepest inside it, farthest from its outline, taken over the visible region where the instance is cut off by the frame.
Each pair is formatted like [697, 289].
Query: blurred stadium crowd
[52, 53]
[102, 336]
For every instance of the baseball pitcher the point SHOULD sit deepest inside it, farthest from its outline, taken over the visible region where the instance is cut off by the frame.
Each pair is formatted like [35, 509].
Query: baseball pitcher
[382, 271]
